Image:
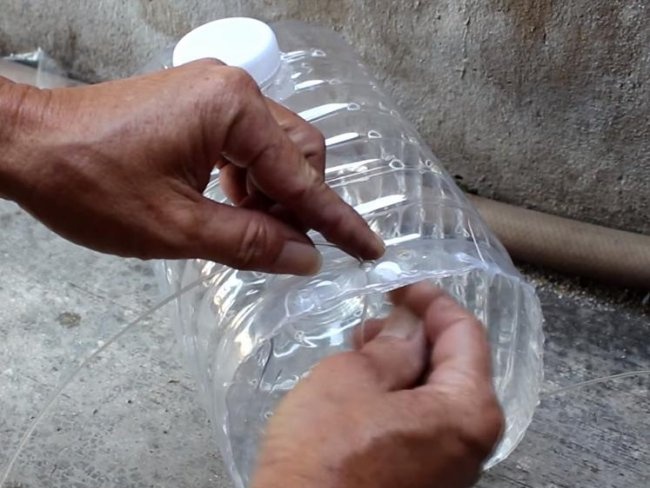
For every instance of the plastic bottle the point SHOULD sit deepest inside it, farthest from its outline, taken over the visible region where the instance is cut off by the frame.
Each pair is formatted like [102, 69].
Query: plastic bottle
[249, 337]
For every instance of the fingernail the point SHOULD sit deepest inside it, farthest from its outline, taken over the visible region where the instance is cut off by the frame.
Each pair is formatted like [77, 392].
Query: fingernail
[299, 259]
[402, 324]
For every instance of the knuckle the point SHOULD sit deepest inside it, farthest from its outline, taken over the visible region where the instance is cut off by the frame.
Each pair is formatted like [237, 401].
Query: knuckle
[316, 139]
[255, 246]
[240, 81]
[383, 347]
[188, 227]
[344, 365]
[270, 151]
[319, 149]
[205, 74]
[206, 64]
[313, 185]
[150, 237]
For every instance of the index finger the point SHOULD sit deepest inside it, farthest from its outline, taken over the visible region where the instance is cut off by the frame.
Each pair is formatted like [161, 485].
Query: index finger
[305, 136]
[279, 169]
[460, 348]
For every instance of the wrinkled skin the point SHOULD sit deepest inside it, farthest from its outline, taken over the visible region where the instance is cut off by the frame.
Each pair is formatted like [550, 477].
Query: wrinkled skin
[120, 167]
[367, 419]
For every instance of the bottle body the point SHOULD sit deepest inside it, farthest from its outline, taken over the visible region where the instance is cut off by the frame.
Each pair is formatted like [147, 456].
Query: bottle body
[249, 337]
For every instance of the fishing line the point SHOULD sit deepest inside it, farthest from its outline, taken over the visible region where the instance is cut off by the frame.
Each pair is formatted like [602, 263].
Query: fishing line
[75, 372]
[594, 381]
[178, 294]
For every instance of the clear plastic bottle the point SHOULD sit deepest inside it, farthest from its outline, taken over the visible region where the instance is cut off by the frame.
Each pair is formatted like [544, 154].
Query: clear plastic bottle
[249, 337]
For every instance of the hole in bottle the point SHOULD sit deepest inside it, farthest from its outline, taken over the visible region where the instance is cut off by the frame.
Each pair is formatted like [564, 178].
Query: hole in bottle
[396, 164]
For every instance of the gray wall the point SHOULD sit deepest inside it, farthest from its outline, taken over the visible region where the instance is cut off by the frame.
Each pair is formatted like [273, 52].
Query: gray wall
[536, 102]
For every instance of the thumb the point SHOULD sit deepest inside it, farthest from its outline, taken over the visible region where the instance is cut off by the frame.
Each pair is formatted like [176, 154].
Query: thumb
[398, 354]
[248, 240]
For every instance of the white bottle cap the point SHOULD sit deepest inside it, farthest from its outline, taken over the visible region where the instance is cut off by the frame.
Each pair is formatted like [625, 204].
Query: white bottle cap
[237, 41]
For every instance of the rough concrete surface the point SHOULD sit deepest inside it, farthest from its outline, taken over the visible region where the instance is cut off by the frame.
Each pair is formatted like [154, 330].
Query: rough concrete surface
[132, 419]
[539, 103]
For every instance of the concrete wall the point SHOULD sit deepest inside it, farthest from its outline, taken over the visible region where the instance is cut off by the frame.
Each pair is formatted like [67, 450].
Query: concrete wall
[536, 102]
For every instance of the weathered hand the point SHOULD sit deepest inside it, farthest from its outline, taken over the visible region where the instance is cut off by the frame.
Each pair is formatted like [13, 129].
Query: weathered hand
[394, 413]
[120, 167]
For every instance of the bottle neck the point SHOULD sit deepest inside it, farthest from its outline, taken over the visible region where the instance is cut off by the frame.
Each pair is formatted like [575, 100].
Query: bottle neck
[281, 86]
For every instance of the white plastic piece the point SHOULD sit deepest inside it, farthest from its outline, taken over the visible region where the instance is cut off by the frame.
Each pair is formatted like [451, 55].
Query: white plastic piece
[238, 41]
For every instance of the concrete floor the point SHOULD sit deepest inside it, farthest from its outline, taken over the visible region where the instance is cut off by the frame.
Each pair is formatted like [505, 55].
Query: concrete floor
[133, 420]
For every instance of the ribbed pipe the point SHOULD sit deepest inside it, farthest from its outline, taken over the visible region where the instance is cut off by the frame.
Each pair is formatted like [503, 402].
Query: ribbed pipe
[612, 256]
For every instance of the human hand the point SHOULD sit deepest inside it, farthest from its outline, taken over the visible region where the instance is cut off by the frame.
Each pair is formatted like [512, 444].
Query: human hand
[394, 413]
[120, 167]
